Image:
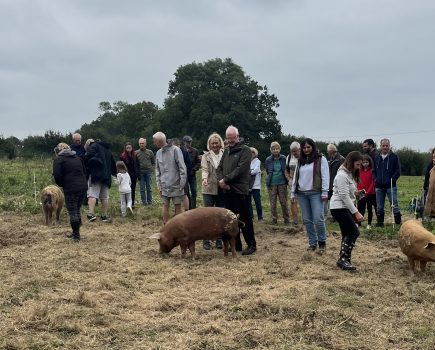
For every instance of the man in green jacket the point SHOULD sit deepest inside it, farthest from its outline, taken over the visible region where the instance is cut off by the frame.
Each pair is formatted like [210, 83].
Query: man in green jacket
[145, 167]
[233, 175]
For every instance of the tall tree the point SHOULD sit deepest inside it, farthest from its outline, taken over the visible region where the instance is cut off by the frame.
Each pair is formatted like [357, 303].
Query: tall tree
[207, 97]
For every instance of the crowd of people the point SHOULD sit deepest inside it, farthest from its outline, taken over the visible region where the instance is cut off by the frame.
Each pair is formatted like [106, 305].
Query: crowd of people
[345, 187]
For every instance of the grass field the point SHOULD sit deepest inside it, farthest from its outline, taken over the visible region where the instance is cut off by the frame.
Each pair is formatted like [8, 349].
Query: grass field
[113, 290]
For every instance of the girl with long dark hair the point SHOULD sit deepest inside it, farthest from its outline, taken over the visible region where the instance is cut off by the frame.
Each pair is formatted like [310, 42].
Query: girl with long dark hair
[343, 208]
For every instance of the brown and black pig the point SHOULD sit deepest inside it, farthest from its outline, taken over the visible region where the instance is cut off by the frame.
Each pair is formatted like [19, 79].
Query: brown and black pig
[417, 243]
[198, 224]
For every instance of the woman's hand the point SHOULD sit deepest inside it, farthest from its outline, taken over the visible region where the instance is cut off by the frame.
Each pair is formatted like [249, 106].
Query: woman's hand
[358, 217]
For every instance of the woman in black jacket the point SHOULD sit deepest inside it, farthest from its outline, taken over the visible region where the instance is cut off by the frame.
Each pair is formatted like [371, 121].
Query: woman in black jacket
[69, 172]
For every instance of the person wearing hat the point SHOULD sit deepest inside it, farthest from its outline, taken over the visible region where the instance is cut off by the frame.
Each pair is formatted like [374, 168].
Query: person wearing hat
[195, 160]
[69, 172]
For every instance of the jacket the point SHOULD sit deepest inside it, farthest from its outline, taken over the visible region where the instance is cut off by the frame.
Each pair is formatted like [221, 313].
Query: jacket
[194, 160]
[366, 181]
[343, 192]
[333, 165]
[100, 163]
[69, 172]
[209, 173]
[145, 161]
[255, 170]
[234, 168]
[131, 164]
[171, 173]
[269, 164]
[385, 170]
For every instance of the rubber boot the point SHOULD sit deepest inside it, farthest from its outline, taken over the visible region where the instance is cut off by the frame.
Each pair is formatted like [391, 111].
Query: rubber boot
[343, 261]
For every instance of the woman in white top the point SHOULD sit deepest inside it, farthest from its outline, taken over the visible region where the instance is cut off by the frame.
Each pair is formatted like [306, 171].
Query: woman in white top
[310, 187]
[343, 208]
[255, 185]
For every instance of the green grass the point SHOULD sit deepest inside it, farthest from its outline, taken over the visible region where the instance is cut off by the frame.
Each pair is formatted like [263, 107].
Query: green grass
[22, 181]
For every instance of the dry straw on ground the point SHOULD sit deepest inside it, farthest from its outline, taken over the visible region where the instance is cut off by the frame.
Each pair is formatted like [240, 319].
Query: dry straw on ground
[113, 291]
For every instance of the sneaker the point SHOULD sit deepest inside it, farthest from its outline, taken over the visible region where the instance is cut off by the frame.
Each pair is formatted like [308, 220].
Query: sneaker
[74, 237]
[91, 217]
[286, 222]
[105, 218]
[369, 227]
[274, 221]
[311, 248]
[130, 210]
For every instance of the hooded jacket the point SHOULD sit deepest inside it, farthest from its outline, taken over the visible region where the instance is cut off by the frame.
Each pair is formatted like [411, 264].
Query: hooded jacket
[234, 168]
[69, 172]
[100, 163]
[385, 170]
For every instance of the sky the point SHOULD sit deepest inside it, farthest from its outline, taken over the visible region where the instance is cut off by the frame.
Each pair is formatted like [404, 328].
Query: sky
[341, 69]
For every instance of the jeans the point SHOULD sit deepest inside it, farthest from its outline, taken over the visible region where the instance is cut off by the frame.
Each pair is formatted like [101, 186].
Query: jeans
[380, 200]
[190, 190]
[312, 208]
[145, 180]
[255, 193]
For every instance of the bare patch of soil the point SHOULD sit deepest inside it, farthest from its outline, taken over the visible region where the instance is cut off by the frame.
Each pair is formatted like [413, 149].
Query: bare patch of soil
[114, 291]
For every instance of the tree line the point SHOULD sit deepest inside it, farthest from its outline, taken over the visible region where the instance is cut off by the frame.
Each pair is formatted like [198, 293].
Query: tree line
[203, 98]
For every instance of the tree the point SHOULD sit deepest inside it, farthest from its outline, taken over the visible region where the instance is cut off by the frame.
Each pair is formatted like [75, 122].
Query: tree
[208, 97]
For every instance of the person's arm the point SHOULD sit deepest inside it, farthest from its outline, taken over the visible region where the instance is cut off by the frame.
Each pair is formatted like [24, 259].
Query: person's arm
[342, 186]
[396, 174]
[324, 170]
[158, 177]
[181, 167]
[196, 160]
[57, 172]
[294, 184]
[255, 166]
[204, 170]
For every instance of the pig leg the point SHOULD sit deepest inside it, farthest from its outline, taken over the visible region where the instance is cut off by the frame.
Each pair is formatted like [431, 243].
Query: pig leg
[233, 247]
[183, 250]
[226, 247]
[411, 263]
[192, 250]
[423, 266]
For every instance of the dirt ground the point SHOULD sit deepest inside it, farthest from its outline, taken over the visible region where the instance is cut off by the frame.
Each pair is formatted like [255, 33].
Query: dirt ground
[114, 291]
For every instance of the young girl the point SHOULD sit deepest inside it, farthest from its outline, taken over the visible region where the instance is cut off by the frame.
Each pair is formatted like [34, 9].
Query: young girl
[367, 184]
[124, 186]
[128, 156]
[343, 209]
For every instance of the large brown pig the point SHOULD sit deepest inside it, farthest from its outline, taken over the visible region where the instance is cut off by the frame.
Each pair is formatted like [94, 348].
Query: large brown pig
[417, 243]
[198, 224]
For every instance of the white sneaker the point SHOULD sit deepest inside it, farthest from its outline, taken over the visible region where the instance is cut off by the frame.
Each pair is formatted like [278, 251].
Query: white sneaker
[368, 227]
[130, 210]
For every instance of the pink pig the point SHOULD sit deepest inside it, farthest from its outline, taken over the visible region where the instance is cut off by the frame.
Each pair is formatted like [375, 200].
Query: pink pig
[198, 224]
[417, 243]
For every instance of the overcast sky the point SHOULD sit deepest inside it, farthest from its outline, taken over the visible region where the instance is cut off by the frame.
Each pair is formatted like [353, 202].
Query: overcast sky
[342, 69]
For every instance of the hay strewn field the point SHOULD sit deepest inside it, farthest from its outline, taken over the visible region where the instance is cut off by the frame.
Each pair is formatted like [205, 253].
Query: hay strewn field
[113, 291]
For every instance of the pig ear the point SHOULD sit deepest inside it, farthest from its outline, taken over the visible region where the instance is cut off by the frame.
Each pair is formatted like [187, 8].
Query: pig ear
[155, 236]
[429, 245]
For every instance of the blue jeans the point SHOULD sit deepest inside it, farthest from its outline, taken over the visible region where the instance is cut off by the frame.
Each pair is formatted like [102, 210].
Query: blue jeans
[145, 180]
[312, 208]
[380, 200]
[255, 193]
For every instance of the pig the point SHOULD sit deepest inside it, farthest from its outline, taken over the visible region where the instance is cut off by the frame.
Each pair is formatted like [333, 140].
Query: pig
[52, 200]
[199, 224]
[417, 243]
